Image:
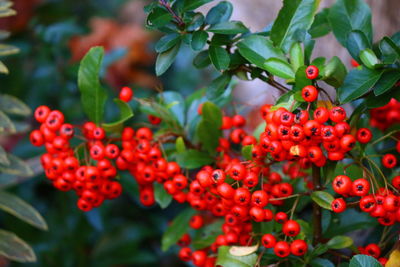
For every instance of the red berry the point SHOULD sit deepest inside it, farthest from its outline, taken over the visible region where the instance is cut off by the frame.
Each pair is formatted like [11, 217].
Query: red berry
[291, 228]
[238, 121]
[309, 93]
[281, 217]
[372, 250]
[364, 135]
[337, 114]
[298, 247]
[282, 249]
[41, 113]
[360, 187]
[185, 254]
[342, 184]
[389, 161]
[338, 205]
[196, 222]
[154, 120]
[199, 258]
[268, 240]
[126, 94]
[312, 72]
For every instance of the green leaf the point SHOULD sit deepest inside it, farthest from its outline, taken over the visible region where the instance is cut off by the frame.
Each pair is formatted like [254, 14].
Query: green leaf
[3, 68]
[165, 59]
[7, 50]
[219, 13]
[12, 105]
[320, 26]
[206, 235]
[193, 4]
[159, 17]
[199, 40]
[295, 15]
[348, 15]
[6, 124]
[167, 41]
[193, 159]
[364, 261]
[373, 102]
[339, 242]
[357, 83]
[219, 57]
[3, 157]
[386, 81]
[318, 250]
[279, 68]
[16, 167]
[125, 114]
[257, 49]
[161, 196]
[197, 21]
[246, 152]
[174, 102]
[323, 199]
[202, 60]
[14, 248]
[320, 262]
[178, 227]
[228, 27]
[180, 145]
[301, 81]
[356, 42]
[93, 96]
[390, 51]
[369, 59]
[334, 72]
[218, 86]
[21, 209]
[209, 128]
[224, 258]
[296, 56]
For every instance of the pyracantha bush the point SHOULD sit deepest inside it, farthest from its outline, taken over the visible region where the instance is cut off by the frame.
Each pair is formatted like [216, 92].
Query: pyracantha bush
[289, 192]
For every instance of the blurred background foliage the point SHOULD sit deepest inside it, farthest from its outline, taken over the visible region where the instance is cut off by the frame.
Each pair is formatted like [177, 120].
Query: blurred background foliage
[53, 35]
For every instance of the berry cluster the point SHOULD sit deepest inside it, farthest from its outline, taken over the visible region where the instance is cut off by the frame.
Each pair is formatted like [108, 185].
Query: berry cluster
[374, 251]
[93, 183]
[384, 117]
[383, 204]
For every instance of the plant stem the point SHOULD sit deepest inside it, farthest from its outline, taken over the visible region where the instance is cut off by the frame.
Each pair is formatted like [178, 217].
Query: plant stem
[317, 218]
[174, 15]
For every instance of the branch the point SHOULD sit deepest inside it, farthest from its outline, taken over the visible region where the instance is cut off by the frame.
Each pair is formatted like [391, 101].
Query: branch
[317, 214]
[178, 19]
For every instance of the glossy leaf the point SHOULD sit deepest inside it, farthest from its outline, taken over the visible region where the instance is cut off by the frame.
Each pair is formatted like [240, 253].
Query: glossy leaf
[12, 105]
[125, 114]
[257, 49]
[364, 261]
[295, 15]
[167, 41]
[206, 235]
[389, 49]
[296, 56]
[197, 22]
[357, 83]
[225, 258]
[369, 59]
[202, 60]
[323, 199]
[219, 13]
[228, 27]
[320, 26]
[339, 242]
[209, 129]
[279, 68]
[386, 82]
[348, 15]
[218, 86]
[192, 159]
[159, 17]
[246, 152]
[21, 209]
[334, 72]
[199, 40]
[93, 96]
[320, 262]
[14, 248]
[176, 229]
[219, 57]
[161, 196]
[180, 145]
[166, 58]
[356, 42]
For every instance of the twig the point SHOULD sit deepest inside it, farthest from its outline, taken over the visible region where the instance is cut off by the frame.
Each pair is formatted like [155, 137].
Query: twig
[178, 19]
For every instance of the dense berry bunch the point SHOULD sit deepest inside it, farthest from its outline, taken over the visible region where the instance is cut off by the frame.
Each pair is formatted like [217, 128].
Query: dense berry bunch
[386, 116]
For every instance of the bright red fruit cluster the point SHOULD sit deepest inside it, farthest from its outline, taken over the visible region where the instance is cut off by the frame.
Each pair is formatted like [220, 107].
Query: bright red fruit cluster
[386, 116]
[93, 183]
